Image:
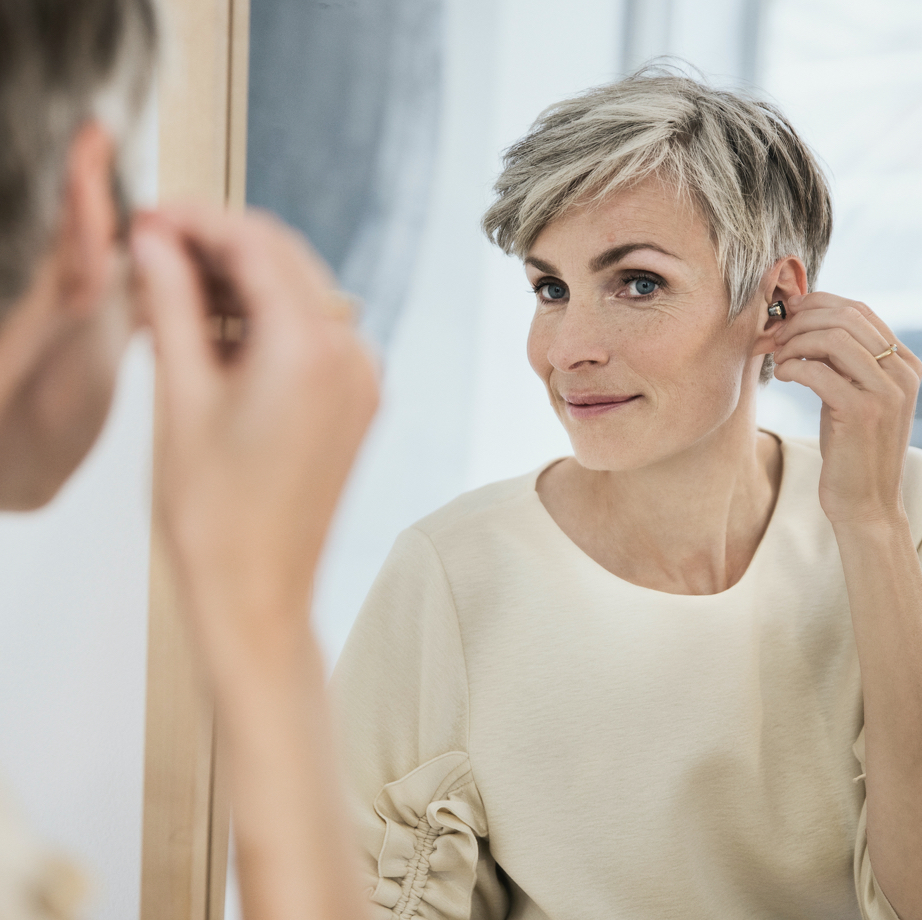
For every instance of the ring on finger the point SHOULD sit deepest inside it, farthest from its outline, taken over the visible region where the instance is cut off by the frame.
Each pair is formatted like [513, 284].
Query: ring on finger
[890, 351]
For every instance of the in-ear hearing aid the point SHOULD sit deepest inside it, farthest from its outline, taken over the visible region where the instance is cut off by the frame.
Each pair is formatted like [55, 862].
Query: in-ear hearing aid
[777, 310]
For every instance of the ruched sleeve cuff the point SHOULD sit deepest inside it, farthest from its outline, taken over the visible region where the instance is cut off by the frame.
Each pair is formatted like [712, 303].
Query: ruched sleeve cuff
[427, 866]
[873, 902]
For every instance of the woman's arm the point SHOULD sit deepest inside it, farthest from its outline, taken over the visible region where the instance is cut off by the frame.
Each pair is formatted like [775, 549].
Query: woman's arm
[884, 582]
[830, 345]
[401, 685]
[256, 442]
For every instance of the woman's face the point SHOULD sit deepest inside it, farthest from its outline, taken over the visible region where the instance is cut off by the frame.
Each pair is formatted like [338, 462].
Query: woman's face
[630, 332]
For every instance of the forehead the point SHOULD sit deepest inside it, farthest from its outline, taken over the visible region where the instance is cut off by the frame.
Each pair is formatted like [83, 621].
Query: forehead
[650, 212]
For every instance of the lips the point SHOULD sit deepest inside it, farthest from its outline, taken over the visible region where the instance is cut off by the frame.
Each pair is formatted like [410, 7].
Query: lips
[590, 405]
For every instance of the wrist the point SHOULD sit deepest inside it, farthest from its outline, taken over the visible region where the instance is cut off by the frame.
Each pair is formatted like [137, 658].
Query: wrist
[250, 631]
[876, 530]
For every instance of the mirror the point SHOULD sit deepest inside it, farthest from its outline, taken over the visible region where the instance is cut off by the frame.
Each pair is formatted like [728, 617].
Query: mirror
[377, 128]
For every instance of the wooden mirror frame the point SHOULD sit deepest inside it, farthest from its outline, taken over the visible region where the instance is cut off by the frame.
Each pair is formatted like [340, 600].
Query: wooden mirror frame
[202, 106]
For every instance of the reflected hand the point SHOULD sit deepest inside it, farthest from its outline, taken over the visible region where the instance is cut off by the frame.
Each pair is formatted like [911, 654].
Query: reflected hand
[829, 344]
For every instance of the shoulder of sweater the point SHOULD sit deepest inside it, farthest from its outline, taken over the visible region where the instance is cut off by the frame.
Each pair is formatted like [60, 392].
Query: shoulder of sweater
[472, 509]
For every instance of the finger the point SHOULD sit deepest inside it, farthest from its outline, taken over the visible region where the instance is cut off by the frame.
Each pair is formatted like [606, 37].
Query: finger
[837, 348]
[172, 298]
[272, 267]
[831, 387]
[801, 303]
[239, 236]
[844, 317]
[913, 362]
[339, 305]
[856, 316]
[907, 359]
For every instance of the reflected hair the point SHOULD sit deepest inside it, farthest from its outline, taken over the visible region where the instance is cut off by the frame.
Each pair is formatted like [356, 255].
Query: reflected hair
[63, 63]
[752, 178]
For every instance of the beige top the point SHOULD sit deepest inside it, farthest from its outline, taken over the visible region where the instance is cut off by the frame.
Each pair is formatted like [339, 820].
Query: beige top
[529, 736]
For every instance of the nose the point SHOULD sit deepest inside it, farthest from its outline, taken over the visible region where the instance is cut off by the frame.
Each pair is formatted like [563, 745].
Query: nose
[577, 340]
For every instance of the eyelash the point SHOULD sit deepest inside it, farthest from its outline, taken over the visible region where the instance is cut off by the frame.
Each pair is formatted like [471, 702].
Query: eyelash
[644, 276]
[544, 282]
[627, 279]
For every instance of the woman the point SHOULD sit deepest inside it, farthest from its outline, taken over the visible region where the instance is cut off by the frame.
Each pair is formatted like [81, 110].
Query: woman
[678, 674]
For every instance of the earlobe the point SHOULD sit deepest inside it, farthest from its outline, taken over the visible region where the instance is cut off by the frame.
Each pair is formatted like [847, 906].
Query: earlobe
[88, 229]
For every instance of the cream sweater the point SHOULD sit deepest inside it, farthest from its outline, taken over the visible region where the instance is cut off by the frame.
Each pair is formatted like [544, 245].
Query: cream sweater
[529, 736]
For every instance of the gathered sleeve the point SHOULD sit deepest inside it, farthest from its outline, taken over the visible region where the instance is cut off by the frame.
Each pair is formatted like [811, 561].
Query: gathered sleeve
[873, 902]
[401, 697]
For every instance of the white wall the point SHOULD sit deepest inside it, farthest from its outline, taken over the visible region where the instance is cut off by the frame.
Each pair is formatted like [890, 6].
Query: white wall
[73, 622]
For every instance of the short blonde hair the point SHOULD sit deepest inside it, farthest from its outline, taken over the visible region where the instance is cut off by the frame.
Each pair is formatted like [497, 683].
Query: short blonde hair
[753, 179]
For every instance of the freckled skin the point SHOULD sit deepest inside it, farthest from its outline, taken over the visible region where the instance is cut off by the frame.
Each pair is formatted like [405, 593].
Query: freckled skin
[672, 348]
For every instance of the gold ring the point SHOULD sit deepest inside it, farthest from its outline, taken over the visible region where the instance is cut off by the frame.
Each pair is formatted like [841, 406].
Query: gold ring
[890, 351]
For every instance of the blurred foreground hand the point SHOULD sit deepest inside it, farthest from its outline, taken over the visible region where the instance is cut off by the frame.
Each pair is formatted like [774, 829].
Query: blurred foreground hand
[258, 437]
[265, 393]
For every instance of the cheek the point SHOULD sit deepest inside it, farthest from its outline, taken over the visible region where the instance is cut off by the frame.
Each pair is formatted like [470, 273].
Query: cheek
[539, 339]
[691, 365]
[705, 384]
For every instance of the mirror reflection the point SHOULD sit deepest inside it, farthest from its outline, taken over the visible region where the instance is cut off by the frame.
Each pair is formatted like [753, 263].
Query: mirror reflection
[425, 132]
[464, 409]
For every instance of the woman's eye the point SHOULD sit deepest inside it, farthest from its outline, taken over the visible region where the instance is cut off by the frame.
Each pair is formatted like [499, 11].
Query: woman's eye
[552, 291]
[643, 286]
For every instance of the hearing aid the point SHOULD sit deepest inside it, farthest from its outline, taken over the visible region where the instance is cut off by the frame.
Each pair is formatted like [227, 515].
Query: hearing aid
[777, 310]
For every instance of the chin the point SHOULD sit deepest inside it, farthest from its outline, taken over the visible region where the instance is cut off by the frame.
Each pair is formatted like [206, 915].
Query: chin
[614, 455]
[626, 450]
[616, 442]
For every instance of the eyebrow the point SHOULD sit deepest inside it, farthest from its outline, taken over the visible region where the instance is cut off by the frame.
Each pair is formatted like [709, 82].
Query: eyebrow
[604, 259]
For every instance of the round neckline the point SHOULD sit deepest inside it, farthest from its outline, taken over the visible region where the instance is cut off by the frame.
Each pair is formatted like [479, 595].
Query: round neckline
[784, 489]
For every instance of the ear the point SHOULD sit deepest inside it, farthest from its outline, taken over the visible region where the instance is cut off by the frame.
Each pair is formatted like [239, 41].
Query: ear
[87, 243]
[784, 279]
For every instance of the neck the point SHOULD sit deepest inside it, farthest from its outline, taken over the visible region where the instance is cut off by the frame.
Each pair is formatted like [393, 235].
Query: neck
[687, 525]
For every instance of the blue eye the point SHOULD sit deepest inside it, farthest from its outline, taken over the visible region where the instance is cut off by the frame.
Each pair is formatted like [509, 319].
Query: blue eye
[643, 286]
[552, 291]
